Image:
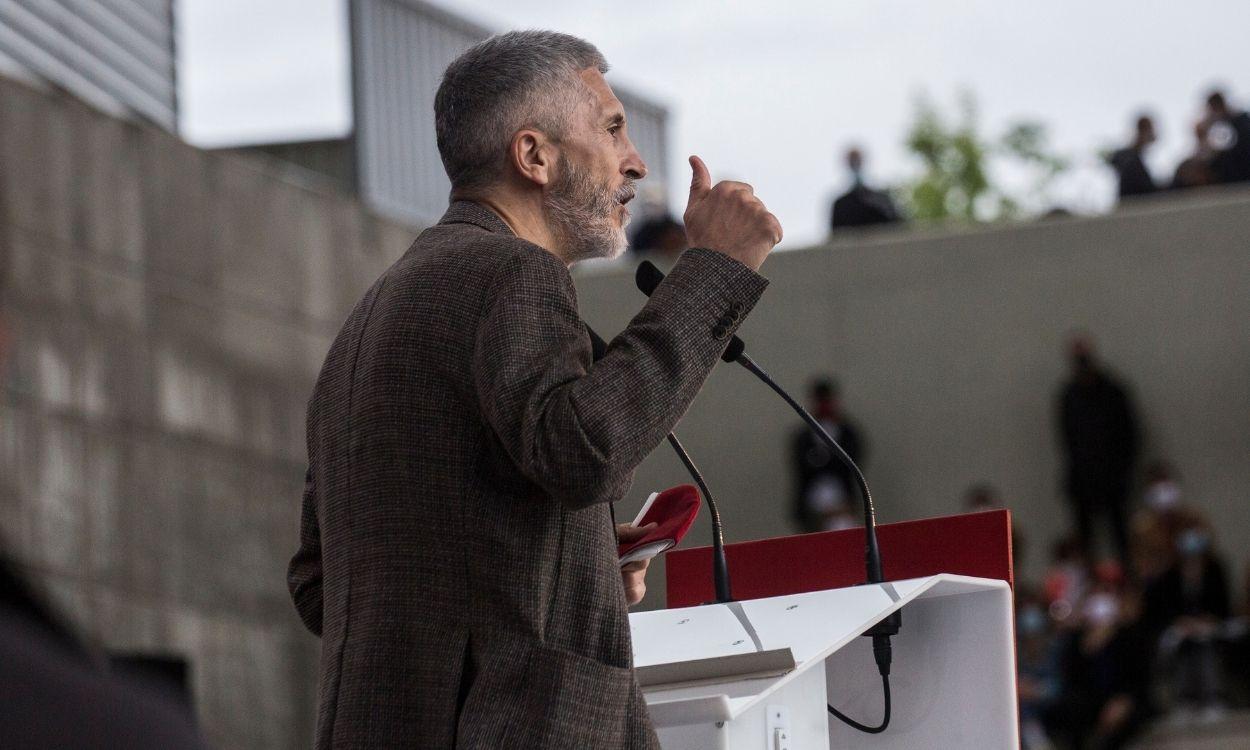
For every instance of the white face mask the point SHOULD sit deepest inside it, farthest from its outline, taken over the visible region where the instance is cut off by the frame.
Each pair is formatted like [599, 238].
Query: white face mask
[1193, 542]
[1162, 496]
[1101, 609]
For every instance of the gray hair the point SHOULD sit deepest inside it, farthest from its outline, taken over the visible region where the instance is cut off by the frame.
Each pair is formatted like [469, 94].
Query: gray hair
[508, 82]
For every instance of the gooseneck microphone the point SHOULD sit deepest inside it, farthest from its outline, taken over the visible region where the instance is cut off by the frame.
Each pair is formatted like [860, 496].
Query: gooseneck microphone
[720, 568]
[648, 277]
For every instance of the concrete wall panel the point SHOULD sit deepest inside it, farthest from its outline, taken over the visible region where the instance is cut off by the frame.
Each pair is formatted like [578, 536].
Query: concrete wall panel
[164, 313]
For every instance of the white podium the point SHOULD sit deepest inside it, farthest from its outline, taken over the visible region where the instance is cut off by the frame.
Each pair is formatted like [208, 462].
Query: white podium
[952, 681]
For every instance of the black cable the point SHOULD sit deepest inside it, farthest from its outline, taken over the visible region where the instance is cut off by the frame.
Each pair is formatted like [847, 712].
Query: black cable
[720, 568]
[885, 719]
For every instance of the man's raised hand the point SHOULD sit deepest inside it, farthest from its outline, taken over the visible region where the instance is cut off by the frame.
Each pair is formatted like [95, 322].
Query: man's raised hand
[728, 218]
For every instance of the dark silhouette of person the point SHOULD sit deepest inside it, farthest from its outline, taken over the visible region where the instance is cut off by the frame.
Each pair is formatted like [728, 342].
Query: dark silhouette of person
[861, 205]
[825, 487]
[1099, 435]
[656, 230]
[660, 234]
[1231, 138]
[55, 694]
[1129, 164]
[1188, 605]
[1195, 169]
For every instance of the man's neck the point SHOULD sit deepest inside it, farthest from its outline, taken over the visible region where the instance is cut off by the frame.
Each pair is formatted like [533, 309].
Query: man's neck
[524, 217]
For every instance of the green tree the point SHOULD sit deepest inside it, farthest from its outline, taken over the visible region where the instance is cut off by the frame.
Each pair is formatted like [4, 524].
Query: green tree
[956, 181]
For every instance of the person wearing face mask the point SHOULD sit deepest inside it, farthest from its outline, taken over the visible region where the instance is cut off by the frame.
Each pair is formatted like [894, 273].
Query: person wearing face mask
[1038, 681]
[1156, 523]
[1106, 666]
[824, 486]
[1188, 606]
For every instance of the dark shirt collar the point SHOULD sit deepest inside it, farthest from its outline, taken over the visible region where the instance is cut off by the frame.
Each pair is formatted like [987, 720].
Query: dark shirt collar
[468, 212]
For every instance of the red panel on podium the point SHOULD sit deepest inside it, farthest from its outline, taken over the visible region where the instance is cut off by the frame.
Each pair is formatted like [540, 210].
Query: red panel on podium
[973, 544]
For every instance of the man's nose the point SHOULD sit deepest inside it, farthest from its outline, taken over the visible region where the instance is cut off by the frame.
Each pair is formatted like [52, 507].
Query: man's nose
[634, 167]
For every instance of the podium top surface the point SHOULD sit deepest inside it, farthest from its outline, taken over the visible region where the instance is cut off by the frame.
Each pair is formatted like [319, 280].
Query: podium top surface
[813, 625]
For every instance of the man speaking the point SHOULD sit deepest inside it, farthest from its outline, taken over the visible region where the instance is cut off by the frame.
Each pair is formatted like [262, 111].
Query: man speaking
[457, 556]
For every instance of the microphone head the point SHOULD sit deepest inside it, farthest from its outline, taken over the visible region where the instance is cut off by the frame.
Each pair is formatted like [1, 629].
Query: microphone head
[734, 350]
[648, 277]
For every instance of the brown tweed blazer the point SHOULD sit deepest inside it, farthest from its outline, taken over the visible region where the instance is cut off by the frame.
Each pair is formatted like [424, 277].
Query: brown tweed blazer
[456, 552]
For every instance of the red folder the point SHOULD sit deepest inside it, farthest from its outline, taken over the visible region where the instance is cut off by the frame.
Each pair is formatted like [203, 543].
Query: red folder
[673, 511]
[973, 544]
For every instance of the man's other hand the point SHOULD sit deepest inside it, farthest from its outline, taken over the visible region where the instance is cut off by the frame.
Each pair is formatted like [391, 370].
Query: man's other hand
[633, 575]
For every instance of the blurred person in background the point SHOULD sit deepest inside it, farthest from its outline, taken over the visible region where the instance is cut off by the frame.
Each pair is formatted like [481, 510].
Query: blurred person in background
[1189, 606]
[824, 486]
[1195, 169]
[1155, 524]
[1238, 657]
[861, 205]
[845, 517]
[1106, 667]
[1039, 680]
[1099, 436]
[1129, 162]
[982, 496]
[1065, 580]
[662, 235]
[658, 232]
[1230, 138]
[1162, 498]
[55, 692]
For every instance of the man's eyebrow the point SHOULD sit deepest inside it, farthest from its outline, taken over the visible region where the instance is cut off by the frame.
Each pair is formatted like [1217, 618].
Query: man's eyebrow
[617, 118]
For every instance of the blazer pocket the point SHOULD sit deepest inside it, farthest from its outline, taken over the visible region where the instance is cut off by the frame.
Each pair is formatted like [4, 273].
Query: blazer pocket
[572, 701]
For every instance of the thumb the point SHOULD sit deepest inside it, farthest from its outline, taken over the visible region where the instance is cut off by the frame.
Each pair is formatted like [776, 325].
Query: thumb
[700, 180]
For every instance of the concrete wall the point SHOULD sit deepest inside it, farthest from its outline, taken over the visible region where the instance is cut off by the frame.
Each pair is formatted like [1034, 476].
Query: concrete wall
[950, 350]
[166, 312]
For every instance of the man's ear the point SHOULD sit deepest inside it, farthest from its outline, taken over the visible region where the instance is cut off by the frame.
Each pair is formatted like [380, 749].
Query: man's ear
[533, 155]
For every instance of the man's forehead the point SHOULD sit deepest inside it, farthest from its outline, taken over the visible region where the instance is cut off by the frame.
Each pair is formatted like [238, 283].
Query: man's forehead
[605, 101]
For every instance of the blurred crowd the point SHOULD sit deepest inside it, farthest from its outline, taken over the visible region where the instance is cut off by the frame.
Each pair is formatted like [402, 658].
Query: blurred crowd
[1220, 155]
[1105, 647]
[1108, 643]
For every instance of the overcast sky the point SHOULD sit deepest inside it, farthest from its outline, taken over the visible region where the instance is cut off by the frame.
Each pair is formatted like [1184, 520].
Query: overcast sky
[771, 93]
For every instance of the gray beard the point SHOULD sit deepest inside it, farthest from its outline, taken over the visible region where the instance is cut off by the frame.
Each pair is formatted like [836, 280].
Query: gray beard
[580, 213]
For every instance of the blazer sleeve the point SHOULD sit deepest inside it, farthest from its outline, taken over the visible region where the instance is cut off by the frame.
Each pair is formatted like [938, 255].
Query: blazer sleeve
[304, 573]
[579, 430]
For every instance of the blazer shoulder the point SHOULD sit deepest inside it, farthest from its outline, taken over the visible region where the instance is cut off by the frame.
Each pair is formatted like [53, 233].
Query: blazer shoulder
[497, 260]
